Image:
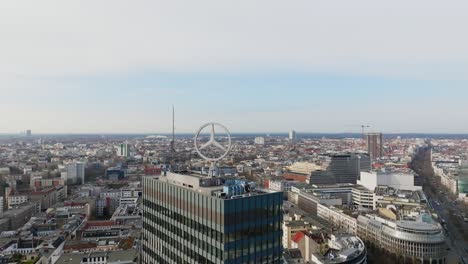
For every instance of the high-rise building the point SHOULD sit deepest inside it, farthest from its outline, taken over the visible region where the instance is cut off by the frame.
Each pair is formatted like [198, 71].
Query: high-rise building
[345, 168]
[28, 133]
[259, 141]
[342, 168]
[123, 150]
[195, 219]
[75, 172]
[292, 135]
[375, 145]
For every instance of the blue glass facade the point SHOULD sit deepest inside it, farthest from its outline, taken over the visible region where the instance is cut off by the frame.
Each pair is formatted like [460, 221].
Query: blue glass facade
[252, 229]
[185, 226]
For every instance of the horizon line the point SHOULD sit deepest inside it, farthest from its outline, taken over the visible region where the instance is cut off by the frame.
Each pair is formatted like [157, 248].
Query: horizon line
[266, 133]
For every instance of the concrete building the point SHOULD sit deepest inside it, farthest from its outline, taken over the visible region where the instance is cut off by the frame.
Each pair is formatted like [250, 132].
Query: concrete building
[37, 182]
[48, 196]
[342, 191]
[75, 173]
[115, 173]
[400, 181]
[114, 257]
[195, 219]
[4, 170]
[292, 136]
[413, 240]
[303, 167]
[108, 202]
[99, 230]
[123, 150]
[363, 197]
[17, 217]
[338, 217]
[345, 249]
[259, 141]
[375, 145]
[308, 201]
[295, 224]
[310, 243]
[16, 199]
[280, 185]
[454, 177]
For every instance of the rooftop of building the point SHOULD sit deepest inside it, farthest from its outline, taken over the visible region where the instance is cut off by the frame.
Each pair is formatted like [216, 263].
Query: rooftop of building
[343, 248]
[78, 245]
[349, 210]
[114, 257]
[220, 187]
[404, 195]
[423, 223]
[18, 210]
[293, 256]
[43, 191]
[96, 225]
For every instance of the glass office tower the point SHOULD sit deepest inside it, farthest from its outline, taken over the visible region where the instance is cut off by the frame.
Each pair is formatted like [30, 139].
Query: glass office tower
[194, 219]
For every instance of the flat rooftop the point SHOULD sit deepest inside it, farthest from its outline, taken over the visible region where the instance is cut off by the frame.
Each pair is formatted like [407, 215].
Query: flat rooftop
[123, 256]
[221, 187]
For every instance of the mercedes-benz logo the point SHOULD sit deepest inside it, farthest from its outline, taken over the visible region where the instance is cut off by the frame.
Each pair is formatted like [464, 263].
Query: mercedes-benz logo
[212, 141]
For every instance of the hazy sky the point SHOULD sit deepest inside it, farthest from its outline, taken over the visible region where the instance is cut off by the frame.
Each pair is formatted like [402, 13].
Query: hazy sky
[254, 65]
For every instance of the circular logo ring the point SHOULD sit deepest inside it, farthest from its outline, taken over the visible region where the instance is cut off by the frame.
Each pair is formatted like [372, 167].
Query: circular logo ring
[212, 141]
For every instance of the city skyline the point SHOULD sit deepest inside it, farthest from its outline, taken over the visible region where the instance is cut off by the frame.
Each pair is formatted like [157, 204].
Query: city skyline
[233, 132]
[332, 110]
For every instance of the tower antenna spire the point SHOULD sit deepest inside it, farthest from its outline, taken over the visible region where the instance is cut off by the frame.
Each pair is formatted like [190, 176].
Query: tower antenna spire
[173, 124]
[173, 131]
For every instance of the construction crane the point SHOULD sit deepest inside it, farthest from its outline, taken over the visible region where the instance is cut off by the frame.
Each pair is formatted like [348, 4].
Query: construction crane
[363, 135]
[363, 130]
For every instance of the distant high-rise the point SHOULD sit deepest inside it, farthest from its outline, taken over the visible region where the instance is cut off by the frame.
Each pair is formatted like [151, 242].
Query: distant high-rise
[375, 145]
[292, 135]
[123, 150]
[28, 133]
[75, 172]
[343, 168]
[196, 219]
[259, 141]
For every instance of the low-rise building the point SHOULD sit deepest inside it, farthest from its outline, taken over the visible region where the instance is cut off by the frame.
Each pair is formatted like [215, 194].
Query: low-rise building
[114, 257]
[363, 197]
[422, 239]
[341, 218]
[17, 217]
[343, 248]
[308, 201]
[16, 199]
[295, 224]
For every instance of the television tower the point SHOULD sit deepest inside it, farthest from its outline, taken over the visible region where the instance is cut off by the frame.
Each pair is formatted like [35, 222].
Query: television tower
[173, 134]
